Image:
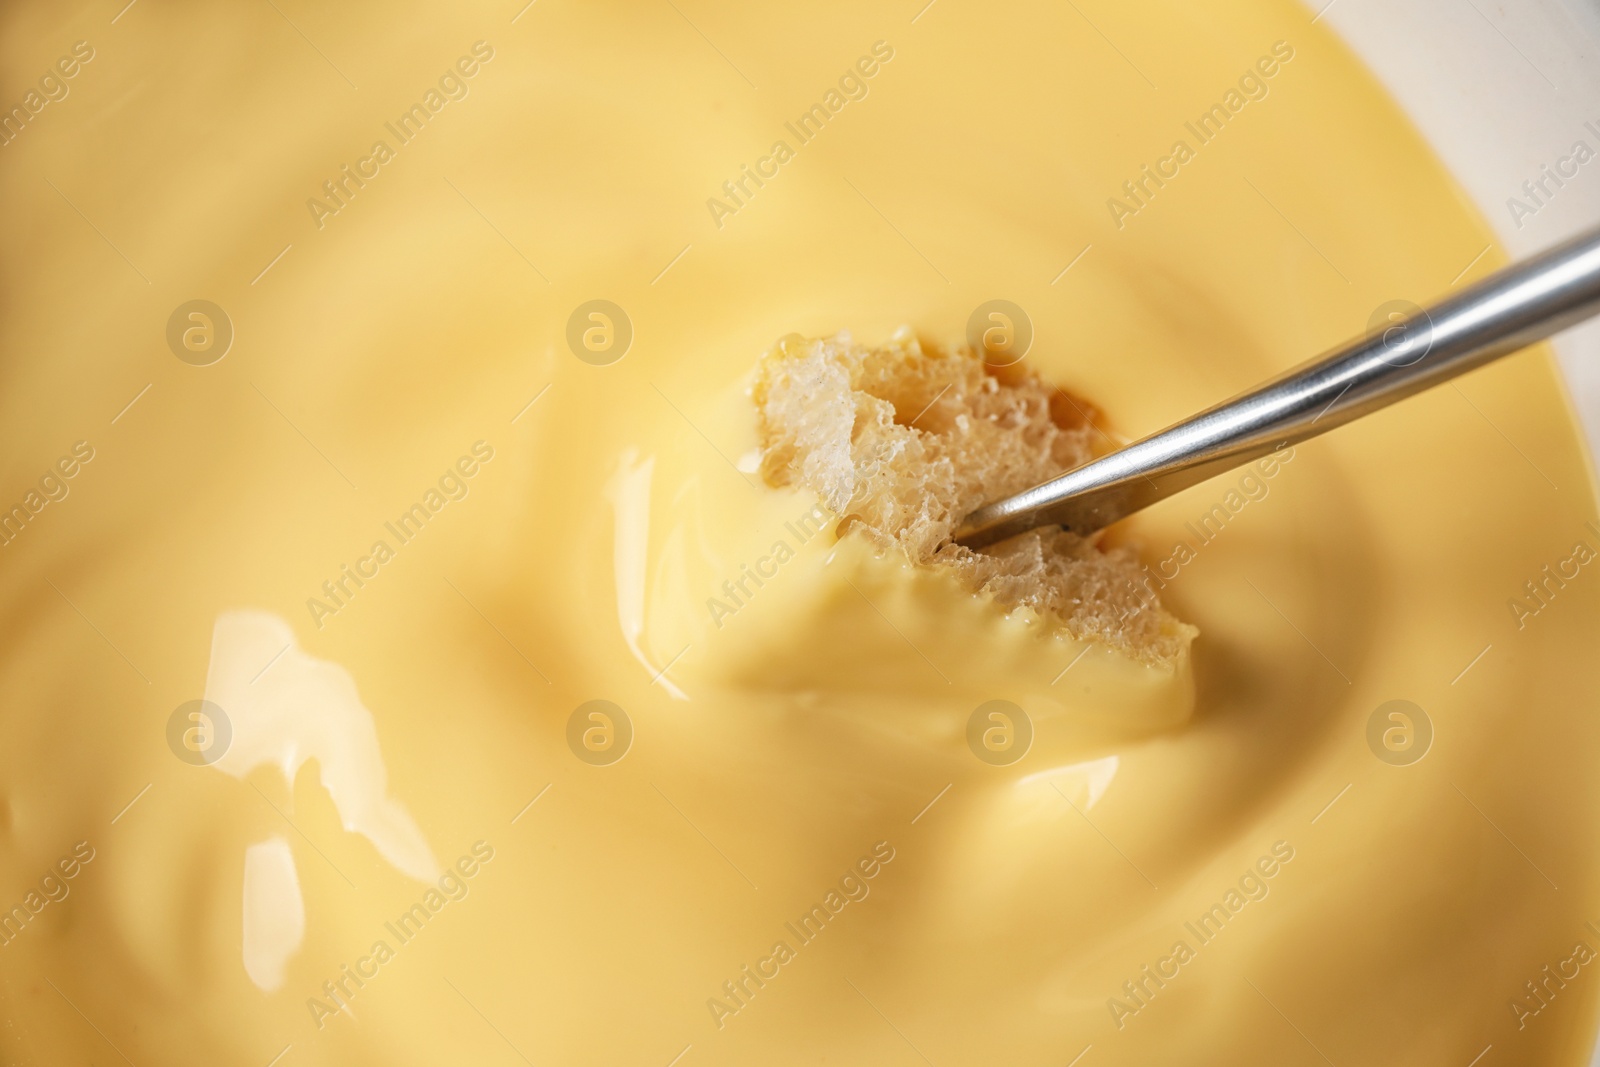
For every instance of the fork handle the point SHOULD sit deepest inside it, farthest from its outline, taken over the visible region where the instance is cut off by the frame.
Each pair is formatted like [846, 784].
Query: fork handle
[1505, 312]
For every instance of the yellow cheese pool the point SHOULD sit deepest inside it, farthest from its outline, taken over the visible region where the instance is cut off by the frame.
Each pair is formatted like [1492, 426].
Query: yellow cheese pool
[378, 462]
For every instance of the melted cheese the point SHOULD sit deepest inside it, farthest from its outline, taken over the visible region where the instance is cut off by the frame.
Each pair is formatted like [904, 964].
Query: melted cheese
[419, 518]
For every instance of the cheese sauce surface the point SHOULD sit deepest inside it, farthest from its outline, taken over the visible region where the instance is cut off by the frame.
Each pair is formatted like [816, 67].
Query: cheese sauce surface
[404, 663]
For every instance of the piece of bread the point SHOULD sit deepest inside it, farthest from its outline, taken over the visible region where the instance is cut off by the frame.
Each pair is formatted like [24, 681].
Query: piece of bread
[902, 442]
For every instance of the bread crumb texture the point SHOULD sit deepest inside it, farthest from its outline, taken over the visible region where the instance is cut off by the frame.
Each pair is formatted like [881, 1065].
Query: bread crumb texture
[903, 440]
